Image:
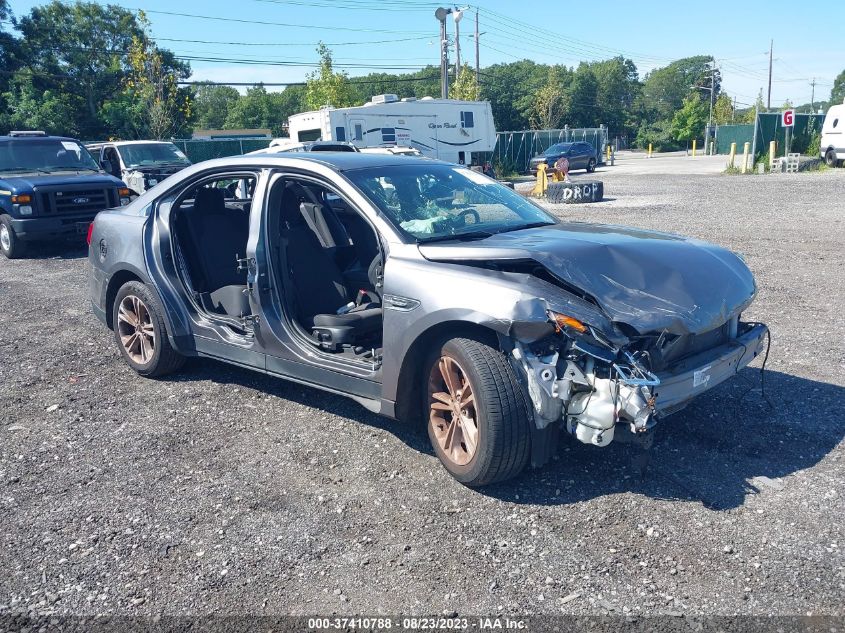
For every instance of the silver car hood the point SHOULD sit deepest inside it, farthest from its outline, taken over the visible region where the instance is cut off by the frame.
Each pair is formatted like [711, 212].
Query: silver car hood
[649, 280]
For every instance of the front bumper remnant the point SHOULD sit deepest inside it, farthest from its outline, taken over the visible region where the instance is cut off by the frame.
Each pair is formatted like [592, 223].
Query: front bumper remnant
[593, 397]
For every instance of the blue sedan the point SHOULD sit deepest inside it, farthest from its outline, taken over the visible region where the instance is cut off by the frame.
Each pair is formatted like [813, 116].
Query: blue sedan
[580, 156]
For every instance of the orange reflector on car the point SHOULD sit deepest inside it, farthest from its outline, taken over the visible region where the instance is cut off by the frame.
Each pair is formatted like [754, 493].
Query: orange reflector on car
[123, 191]
[567, 321]
[24, 198]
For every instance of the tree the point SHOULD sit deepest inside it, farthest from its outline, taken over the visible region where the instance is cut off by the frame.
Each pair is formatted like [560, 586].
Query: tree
[690, 120]
[510, 88]
[666, 88]
[32, 108]
[723, 110]
[162, 108]
[582, 97]
[80, 52]
[325, 86]
[549, 104]
[212, 104]
[837, 94]
[465, 87]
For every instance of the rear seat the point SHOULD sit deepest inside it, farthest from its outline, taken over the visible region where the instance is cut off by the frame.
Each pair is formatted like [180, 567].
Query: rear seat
[214, 238]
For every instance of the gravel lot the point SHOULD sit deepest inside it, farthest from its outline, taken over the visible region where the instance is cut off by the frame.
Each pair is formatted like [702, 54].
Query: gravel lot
[224, 491]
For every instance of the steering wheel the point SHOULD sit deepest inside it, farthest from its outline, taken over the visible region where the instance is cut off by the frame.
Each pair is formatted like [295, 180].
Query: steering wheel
[468, 213]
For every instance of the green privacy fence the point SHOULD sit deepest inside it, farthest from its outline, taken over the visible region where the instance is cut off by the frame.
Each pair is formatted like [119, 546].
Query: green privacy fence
[727, 134]
[198, 151]
[768, 128]
[515, 149]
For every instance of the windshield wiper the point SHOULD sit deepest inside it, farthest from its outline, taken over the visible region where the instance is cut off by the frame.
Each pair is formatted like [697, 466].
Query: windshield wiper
[469, 235]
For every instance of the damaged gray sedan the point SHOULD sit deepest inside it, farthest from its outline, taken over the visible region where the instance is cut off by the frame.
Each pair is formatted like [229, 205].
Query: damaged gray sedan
[424, 291]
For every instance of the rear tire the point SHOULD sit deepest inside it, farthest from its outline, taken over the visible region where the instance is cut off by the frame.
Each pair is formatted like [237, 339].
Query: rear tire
[478, 424]
[591, 165]
[141, 333]
[10, 244]
[830, 158]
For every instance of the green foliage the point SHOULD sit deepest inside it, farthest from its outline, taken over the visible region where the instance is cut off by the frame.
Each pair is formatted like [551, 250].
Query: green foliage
[837, 94]
[466, 87]
[261, 109]
[814, 144]
[723, 110]
[325, 86]
[690, 120]
[212, 104]
[550, 103]
[77, 61]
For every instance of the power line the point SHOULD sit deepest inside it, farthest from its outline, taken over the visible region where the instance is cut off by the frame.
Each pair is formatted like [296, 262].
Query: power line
[268, 23]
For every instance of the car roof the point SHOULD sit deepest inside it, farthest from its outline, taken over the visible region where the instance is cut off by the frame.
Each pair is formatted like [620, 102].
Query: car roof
[38, 138]
[121, 143]
[339, 161]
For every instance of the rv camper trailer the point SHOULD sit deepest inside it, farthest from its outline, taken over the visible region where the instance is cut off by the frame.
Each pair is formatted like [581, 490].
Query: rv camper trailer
[451, 130]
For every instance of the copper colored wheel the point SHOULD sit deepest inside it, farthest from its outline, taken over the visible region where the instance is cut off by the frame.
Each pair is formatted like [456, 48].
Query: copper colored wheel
[136, 331]
[453, 418]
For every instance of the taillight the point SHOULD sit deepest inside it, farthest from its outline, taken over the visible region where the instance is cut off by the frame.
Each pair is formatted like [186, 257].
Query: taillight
[90, 231]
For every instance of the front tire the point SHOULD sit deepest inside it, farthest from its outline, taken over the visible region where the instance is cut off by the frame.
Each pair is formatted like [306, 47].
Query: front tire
[141, 333]
[477, 412]
[830, 158]
[591, 165]
[10, 244]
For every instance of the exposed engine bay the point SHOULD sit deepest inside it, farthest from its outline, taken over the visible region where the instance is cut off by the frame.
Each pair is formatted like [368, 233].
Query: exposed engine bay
[579, 380]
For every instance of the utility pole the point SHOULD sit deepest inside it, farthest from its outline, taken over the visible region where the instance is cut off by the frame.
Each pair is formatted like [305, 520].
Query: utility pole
[813, 96]
[769, 97]
[477, 64]
[457, 14]
[441, 14]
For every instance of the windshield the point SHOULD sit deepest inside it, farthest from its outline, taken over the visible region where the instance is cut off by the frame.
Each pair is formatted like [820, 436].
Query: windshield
[141, 154]
[560, 148]
[437, 202]
[44, 155]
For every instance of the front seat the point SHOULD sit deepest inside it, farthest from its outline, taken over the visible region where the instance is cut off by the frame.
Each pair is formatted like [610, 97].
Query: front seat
[217, 238]
[318, 290]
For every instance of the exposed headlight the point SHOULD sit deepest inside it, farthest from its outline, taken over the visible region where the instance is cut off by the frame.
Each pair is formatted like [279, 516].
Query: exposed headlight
[25, 209]
[565, 322]
[124, 201]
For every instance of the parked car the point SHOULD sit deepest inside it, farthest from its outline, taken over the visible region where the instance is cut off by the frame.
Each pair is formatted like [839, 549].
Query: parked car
[50, 188]
[277, 147]
[140, 164]
[580, 156]
[833, 136]
[423, 290]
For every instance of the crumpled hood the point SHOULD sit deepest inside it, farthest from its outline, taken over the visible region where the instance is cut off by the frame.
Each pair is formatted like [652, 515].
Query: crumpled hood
[61, 180]
[652, 281]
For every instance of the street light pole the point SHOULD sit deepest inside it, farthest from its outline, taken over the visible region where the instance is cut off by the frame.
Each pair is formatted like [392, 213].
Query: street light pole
[441, 14]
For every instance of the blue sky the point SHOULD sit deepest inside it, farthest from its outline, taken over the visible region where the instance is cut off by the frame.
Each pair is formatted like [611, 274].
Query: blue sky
[394, 35]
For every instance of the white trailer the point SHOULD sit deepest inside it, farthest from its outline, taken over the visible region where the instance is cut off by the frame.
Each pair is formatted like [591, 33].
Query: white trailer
[448, 129]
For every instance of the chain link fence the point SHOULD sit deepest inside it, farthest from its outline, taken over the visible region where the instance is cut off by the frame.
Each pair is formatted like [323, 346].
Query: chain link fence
[514, 150]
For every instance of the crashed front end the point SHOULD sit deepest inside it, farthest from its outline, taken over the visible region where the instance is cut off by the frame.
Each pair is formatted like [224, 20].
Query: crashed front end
[581, 379]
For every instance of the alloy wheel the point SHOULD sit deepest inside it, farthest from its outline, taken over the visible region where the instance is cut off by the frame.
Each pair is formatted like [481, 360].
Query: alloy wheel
[135, 327]
[5, 238]
[453, 416]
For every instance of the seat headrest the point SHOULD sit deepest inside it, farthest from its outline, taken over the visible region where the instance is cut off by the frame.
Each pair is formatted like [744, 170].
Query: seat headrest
[290, 212]
[210, 200]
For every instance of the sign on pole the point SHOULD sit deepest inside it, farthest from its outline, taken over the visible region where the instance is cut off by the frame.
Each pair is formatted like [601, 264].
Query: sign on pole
[787, 118]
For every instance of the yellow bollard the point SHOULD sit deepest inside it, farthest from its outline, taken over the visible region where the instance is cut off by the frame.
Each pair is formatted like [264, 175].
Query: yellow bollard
[693, 147]
[542, 182]
[649, 150]
[773, 151]
[732, 155]
[745, 150]
[608, 152]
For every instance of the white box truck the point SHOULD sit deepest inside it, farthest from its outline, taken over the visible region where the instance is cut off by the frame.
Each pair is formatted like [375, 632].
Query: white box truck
[447, 129]
[832, 145]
